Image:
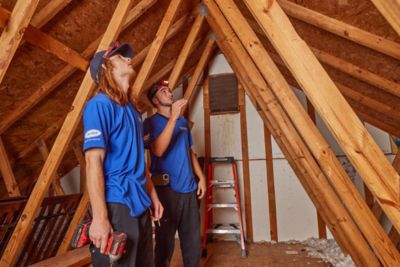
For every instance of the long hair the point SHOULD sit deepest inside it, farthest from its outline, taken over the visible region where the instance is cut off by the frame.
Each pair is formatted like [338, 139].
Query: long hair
[109, 87]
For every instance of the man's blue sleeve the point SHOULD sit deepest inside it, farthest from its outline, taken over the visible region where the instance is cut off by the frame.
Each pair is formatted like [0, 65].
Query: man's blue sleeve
[150, 131]
[189, 134]
[95, 125]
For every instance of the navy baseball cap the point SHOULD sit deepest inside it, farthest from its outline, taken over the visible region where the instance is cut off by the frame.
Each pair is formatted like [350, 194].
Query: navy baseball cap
[98, 59]
[154, 89]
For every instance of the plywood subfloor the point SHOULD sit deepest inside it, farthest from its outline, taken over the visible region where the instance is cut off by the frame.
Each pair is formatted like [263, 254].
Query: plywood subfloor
[224, 254]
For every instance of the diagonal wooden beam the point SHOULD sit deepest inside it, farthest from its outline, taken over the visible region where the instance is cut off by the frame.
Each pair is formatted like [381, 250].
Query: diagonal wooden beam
[45, 89]
[337, 114]
[155, 49]
[194, 31]
[48, 12]
[7, 173]
[342, 29]
[319, 147]
[290, 142]
[36, 37]
[390, 9]
[23, 227]
[10, 38]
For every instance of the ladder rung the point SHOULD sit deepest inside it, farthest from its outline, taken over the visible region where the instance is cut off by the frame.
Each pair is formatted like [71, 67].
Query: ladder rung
[221, 181]
[222, 160]
[223, 205]
[223, 231]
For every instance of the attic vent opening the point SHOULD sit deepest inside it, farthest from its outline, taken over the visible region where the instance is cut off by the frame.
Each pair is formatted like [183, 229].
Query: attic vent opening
[223, 93]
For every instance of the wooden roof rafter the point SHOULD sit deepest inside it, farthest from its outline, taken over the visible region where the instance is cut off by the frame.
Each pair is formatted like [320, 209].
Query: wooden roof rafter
[354, 139]
[290, 142]
[311, 135]
[390, 9]
[57, 152]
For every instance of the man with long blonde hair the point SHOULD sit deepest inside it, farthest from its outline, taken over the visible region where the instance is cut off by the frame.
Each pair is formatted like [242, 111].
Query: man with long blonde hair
[120, 193]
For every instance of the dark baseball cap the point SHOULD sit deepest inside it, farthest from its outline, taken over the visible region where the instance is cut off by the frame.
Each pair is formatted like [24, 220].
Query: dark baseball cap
[98, 59]
[154, 89]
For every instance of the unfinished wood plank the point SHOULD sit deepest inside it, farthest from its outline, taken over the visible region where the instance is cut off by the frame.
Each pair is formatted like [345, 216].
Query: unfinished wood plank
[184, 54]
[245, 162]
[48, 12]
[190, 91]
[77, 147]
[56, 187]
[45, 89]
[337, 114]
[79, 215]
[321, 224]
[10, 39]
[7, 173]
[155, 49]
[293, 147]
[342, 29]
[318, 146]
[207, 120]
[390, 9]
[60, 146]
[273, 221]
[75, 258]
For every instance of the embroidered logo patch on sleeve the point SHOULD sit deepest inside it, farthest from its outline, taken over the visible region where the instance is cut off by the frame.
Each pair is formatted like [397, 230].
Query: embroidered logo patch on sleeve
[92, 133]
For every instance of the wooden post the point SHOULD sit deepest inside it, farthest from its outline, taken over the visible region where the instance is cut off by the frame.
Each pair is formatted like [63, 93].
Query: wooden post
[10, 39]
[390, 9]
[207, 121]
[287, 137]
[56, 187]
[184, 54]
[321, 224]
[273, 222]
[351, 135]
[342, 29]
[155, 49]
[58, 150]
[245, 161]
[48, 12]
[7, 173]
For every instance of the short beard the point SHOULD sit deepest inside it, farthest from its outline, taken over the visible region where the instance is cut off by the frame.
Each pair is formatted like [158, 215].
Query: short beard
[163, 104]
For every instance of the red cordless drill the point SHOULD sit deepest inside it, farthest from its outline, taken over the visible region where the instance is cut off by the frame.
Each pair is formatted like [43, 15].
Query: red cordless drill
[115, 245]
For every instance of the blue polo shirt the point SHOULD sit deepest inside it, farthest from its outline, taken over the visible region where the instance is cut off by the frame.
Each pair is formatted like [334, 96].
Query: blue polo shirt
[176, 159]
[118, 130]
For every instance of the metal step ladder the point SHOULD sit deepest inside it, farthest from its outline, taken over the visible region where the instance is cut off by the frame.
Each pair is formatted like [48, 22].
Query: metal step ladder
[213, 186]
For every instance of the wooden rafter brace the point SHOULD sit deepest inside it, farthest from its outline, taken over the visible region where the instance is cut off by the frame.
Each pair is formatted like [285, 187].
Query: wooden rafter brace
[245, 162]
[326, 158]
[184, 54]
[341, 29]
[154, 50]
[337, 114]
[56, 188]
[77, 147]
[59, 148]
[390, 9]
[291, 144]
[12, 36]
[48, 12]
[7, 173]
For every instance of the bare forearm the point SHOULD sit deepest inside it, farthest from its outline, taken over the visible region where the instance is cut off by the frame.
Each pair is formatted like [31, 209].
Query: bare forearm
[160, 145]
[150, 187]
[95, 187]
[196, 166]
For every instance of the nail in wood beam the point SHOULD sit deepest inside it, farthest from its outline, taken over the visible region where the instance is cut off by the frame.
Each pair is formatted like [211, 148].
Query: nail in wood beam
[342, 29]
[390, 9]
[10, 39]
[7, 173]
[184, 54]
[155, 49]
[337, 114]
[59, 148]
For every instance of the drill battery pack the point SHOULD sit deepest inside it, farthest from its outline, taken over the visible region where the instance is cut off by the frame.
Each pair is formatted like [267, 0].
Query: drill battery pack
[81, 235]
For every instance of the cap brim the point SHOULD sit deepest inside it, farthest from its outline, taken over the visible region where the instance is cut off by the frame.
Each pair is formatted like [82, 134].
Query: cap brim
[124, 50]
